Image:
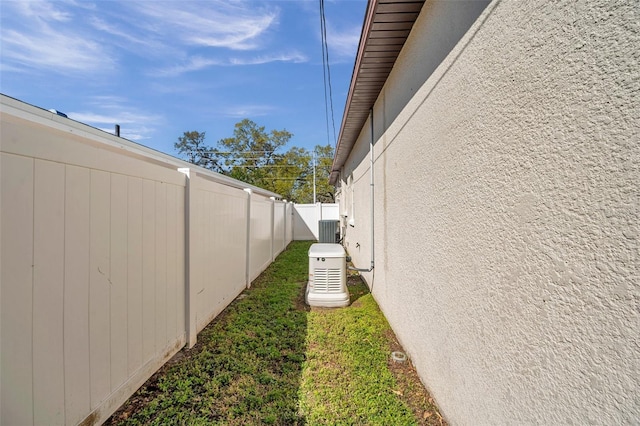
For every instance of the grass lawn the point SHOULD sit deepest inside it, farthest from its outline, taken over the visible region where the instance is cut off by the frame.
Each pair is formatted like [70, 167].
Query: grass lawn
[269, 359]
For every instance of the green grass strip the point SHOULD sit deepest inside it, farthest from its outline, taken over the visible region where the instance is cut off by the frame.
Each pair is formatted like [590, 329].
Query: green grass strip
[345, 379]
[268, 360]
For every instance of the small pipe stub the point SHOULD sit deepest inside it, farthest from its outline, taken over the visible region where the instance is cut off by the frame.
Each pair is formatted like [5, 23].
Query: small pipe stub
[398, 356]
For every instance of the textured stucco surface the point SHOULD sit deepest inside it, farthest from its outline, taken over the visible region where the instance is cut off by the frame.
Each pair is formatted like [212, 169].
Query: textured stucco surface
[507, 210]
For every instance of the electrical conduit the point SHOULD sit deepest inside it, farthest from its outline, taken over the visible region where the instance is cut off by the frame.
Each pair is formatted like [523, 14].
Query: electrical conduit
[371, 184]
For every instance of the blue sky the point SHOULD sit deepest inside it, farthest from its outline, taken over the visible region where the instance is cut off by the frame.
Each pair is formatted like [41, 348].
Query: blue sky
[159, 68]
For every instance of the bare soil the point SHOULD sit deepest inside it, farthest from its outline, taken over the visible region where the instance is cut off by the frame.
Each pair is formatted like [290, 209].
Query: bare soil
[411, 390]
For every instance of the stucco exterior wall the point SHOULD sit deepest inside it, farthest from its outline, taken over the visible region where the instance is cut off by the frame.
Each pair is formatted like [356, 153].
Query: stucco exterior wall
[507, 211]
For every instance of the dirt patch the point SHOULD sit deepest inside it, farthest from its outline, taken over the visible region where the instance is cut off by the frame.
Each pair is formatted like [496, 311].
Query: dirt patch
[300, 302]
[353, 279]
[410, 388]
[148, 391]
[135, 403]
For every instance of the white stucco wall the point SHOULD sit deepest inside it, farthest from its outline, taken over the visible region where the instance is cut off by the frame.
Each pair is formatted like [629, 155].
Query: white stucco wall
[507, 210]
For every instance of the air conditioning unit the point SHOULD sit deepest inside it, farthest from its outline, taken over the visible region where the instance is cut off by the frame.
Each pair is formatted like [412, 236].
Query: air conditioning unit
[328, 231]
[327, 286]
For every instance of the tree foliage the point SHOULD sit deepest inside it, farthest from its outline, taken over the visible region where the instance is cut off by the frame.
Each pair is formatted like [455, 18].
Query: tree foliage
[250, 155]
[191, 144]
[324, 162]
[258, 157]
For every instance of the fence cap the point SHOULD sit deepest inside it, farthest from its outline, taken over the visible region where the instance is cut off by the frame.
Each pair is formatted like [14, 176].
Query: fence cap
[60, 121]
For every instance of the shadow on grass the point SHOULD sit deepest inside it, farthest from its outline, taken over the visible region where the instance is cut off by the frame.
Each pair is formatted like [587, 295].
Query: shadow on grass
[246, 367]
[357, 287]
[270, 359]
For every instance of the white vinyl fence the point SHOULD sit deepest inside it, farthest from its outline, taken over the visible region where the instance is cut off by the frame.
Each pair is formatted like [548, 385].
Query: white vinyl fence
[307, 216]
[111, 261]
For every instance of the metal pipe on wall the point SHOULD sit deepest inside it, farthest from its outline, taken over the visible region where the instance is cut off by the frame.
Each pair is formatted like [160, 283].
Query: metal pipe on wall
[371, 185]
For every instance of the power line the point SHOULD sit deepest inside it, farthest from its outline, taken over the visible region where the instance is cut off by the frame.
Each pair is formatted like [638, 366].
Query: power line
[326, 73]
[237, 152]
[244, 166]
[262, 158]
[324, 69]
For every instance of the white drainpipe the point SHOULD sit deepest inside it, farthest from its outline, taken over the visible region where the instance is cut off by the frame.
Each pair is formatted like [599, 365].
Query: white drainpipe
[373, 250]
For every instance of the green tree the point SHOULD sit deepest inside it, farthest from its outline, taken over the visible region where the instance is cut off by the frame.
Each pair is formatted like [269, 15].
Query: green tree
[324, 191]
[250, 154]
[191, 144]
[291, 173]
[254, 156]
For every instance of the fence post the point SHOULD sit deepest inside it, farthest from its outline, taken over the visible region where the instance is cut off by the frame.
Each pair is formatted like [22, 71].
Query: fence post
[284, 225]
[189, 253]
[248, 240]
[273, 221]
[293, 221]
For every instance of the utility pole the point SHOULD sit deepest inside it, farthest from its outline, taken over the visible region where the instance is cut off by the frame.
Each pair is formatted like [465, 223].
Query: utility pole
[314, 177]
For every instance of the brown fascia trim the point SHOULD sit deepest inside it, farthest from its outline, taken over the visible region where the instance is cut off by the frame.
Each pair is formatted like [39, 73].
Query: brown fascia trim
[343, 151]
[347, 136]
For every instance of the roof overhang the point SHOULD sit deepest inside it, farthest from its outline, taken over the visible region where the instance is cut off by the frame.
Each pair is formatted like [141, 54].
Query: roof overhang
[387, 25]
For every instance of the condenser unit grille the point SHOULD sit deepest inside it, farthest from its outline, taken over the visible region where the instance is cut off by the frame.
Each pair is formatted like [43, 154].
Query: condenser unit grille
[328, 230]
[327, 280]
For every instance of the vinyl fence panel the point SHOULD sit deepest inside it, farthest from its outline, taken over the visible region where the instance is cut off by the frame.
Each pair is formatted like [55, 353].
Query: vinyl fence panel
[74, 250]
[279, 223]
[111, 258]
[307, 216]
[17, 289]
[76, 294]
[134, 273]
[48, 285]
[288, 223]
[261, 229]
[221, 256]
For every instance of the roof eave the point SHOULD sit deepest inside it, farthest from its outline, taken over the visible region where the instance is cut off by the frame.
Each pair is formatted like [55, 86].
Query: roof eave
[389, 22]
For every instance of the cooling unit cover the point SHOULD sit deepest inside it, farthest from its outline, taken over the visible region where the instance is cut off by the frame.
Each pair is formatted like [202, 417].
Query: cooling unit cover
[327, 286]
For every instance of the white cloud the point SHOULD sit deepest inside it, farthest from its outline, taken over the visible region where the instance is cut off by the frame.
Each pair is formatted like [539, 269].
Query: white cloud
[107, 111]
[55, 51]
[198, 63]
[42, 36]
[123, 117]
[5, 67]
[244, 111]
[216, 23]
[294, 57]
[195, 63]
[66, 37]
[101, 25]
[41, 10]
[343, 43]
[108, 101]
